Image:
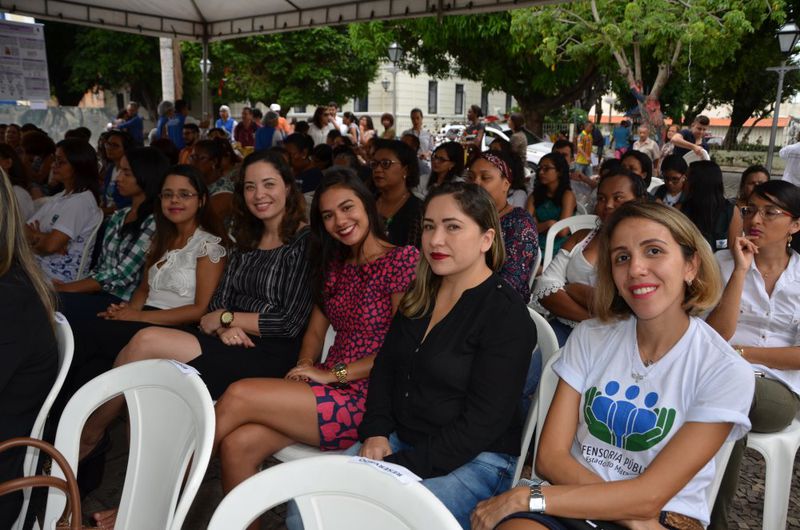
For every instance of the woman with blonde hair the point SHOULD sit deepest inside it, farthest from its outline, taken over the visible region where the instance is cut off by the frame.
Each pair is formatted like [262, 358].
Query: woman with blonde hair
[444, 397]
[647, 395]
[29, 355]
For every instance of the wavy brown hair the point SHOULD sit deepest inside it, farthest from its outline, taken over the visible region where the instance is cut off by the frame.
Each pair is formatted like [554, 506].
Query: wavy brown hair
[247, 229]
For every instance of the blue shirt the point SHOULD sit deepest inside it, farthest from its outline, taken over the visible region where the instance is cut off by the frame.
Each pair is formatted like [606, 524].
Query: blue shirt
[622, 137]
[134, 127]
[175, 130]
[264, 137]
[227, 125]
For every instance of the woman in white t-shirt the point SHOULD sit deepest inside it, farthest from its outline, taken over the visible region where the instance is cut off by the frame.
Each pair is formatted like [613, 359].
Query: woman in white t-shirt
[758, 314]
[647, 394]
[60, 230]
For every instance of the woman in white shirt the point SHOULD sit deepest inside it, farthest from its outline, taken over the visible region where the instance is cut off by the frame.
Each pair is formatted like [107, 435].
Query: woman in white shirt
[566, 286]
[60, 230]
[641, 407]
[11, 163]
[758, 314]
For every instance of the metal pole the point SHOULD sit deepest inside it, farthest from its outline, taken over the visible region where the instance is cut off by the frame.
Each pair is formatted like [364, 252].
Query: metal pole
[774, 130]
[204, 70]
[394, 94]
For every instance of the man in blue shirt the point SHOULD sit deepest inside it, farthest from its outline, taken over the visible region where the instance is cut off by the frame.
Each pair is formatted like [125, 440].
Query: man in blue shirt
[134, 125]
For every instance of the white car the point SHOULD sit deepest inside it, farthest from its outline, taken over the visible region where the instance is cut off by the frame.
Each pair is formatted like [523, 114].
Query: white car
[536, 150]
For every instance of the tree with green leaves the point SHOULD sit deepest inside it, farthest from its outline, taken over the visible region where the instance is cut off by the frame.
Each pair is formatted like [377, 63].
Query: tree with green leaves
[482, 48]
[294, 68]
[701, 34]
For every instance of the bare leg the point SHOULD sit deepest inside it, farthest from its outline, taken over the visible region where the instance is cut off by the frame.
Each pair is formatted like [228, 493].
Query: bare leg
[149, 343]
[288, 408]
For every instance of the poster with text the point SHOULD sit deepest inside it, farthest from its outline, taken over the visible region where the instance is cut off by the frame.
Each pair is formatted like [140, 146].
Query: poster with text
[23, 62]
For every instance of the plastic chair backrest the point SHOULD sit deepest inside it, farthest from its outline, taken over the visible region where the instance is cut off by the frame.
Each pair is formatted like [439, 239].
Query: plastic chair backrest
[720, 463]
[171, 427]
[574, 223]
[544, 397]
[86, 256]
[547, 343]
[66, 349]
[535, 268]
[330, 336]
[333, 492]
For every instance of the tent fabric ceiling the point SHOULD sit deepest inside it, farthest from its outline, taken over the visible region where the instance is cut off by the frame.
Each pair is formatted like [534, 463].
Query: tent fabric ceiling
[227, 19]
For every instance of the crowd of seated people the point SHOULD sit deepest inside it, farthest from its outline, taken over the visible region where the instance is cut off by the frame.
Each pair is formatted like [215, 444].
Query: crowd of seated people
[238, 266]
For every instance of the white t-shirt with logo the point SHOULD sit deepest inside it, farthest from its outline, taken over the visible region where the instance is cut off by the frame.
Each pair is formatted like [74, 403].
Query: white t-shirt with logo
[630, 412]
[75, 215]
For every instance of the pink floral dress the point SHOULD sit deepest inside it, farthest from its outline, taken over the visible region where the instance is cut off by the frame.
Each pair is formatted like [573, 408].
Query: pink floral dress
[358, 304]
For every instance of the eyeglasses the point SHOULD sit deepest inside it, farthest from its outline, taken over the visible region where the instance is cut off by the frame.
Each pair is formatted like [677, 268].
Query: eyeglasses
[768, 213]
[385, 163]
[116, 146]
[437, 158]
[546, 168]
[181, 195]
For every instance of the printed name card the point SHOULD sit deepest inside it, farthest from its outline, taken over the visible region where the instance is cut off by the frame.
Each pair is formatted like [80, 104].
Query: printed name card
[399, 473]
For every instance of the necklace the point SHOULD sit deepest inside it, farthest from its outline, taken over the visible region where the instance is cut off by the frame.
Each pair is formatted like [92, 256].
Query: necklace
[503, 209]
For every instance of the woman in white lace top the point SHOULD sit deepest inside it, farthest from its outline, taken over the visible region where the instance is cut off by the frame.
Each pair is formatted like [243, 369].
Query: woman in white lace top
[566, 285]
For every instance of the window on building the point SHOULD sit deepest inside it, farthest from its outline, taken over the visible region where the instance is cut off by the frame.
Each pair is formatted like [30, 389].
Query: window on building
[485, 101]
[508, 103]
[300, 109]
[459, 108]
[361, 104]
[433, 97]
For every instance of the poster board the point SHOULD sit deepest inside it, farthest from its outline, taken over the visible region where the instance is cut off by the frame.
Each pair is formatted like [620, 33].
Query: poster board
[23, 63]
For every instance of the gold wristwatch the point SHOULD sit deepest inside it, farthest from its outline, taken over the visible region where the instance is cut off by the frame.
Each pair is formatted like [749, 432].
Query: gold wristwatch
[340, 371]
[226, 319]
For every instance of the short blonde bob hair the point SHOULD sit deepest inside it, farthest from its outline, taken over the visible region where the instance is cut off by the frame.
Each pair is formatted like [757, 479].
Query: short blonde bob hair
[701, 295]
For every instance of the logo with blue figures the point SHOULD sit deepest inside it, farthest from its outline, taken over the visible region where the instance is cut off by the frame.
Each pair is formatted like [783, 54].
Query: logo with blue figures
[620, 422]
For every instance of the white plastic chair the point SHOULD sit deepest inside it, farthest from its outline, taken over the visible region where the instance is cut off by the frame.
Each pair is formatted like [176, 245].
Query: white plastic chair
[547, 342]
[574, 223]
[535, 269]
[779, 450]
[333, 493]
[171, 423]
[66, 348]
[86, 255]
[297, 451]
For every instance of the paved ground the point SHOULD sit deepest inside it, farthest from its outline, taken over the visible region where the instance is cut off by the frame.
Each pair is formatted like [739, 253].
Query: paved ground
[746, 514]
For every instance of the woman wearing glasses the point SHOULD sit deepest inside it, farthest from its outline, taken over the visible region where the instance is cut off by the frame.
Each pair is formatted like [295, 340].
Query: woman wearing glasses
[447, 164]
[758, 315]
[552, 199]
[395, 172]
[673, 172]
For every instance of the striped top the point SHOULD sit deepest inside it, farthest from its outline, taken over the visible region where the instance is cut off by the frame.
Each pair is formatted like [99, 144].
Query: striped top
[273, 283]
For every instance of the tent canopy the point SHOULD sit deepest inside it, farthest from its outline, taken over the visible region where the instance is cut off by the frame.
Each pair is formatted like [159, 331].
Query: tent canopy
[227, 19]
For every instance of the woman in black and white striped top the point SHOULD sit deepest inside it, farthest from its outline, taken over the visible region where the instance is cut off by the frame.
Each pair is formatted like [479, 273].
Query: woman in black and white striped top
[262, 304]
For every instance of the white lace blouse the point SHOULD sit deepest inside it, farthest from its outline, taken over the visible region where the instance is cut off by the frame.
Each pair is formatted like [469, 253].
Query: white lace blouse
[173, 278]
[566, 267]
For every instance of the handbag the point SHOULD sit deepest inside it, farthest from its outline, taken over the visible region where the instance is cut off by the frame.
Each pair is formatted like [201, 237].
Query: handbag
[71, 518]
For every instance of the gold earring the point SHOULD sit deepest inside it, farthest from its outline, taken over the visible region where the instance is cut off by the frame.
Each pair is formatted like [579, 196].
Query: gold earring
[789, 242]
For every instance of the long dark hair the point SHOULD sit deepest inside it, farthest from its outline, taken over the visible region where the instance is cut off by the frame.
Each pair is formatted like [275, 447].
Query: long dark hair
[83, 159]
[166, 231]
[513, 161]
[705, 201]
[562, 168]
[455, 153]
[149, 167]
[16, 173]
[325, 249]
[248, 229]
[317, 118]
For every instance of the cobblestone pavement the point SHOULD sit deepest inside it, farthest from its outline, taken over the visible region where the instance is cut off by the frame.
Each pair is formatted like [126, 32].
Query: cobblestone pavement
[746, 514]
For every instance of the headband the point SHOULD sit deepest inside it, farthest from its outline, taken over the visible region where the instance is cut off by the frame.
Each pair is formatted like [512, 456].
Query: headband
[498, 162]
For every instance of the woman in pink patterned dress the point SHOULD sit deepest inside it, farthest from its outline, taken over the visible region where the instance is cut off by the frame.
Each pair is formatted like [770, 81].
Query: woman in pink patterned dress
[359, 279]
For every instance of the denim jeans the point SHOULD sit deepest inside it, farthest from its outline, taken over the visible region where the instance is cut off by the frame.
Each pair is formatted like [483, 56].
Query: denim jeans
[488, 474]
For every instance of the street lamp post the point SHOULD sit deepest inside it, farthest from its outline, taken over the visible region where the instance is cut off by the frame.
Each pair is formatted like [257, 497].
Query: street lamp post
[395, 53]
[610, 100]
[205, 68]
[788, 36]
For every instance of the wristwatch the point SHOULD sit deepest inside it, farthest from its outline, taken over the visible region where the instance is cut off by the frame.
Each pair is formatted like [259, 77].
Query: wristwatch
[536, 502]
[226, 319]
[340, 371]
